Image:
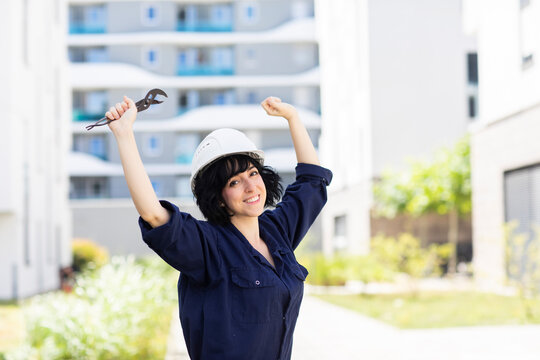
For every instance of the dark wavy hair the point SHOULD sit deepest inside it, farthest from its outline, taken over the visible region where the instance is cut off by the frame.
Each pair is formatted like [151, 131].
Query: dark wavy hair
[210, 182]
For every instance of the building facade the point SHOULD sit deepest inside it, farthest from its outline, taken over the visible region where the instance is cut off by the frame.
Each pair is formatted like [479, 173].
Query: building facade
[505, 150]
[34, 209]
[398, 84]
[216, 60]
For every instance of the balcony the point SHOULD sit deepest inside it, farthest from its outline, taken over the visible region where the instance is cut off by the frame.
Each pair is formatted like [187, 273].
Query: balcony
[84, 115]
[77, 28]
[205, 18]
[205, 70]
[204, 26]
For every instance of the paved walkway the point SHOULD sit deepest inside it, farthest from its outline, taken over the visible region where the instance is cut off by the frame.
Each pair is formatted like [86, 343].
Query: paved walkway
[325, 331]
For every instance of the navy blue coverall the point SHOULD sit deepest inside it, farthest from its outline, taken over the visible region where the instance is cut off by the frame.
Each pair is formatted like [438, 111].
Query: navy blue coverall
[233, 303]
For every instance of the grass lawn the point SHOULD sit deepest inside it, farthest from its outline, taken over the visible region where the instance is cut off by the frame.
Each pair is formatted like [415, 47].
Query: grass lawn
[11, 326]
[437, 310]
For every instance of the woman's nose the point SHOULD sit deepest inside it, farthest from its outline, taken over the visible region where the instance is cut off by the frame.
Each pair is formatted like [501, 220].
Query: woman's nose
[250, 185]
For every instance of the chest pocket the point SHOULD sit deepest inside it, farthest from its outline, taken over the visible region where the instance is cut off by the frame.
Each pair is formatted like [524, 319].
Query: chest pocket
[255, 296]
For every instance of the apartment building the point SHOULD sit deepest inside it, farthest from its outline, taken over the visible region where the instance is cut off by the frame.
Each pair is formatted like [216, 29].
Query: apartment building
[34, 142]
[215, 59]
[505, 148]
[400, 83]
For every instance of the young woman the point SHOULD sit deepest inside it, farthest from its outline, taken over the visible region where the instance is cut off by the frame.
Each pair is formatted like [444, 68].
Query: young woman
[240, 285]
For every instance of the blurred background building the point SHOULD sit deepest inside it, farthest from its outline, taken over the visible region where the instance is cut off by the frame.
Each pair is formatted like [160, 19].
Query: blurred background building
[35, 234]
[216, 60]
[398, 80]
[505, 151]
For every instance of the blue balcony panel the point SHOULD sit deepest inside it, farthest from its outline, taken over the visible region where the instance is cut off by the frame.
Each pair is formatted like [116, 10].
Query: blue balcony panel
[87, 29]
[83, 115]
[205, 71]
[204, 26]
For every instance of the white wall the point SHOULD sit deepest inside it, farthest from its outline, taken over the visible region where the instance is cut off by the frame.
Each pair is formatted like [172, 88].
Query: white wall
[34, 233]
[418, 79]
[346, 121]
[506, 136]
[393, 86]
[506, 87]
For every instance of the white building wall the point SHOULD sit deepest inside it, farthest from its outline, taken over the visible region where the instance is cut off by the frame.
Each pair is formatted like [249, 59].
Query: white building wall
[393, 86]
[345, 108]
[506, 135]
[34, 213]
[418, 79]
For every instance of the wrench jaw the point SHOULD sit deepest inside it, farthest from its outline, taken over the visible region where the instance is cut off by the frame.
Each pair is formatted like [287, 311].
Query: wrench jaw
[141, 105]
[150, 99]
[156, 92]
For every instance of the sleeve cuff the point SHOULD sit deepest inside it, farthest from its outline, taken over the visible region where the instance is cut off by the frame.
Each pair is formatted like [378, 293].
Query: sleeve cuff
[312, 170]
[154, 235]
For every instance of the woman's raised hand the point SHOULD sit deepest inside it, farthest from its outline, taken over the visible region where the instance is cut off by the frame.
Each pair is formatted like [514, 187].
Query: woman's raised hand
[124, 113]
[274, 107]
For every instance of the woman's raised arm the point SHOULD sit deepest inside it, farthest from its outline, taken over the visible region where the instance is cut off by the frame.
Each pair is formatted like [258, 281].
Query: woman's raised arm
[140, 187]
[305, 151]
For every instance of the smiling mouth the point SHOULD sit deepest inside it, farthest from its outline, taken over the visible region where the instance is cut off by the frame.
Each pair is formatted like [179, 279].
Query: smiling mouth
[253, 199]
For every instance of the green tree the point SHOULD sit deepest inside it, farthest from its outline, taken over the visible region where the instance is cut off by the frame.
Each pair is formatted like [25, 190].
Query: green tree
[440, 186]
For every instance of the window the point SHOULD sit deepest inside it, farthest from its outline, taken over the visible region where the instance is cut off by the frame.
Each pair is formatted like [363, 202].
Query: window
[183, 187]
[250, 13]
[182, 101]
[472, 68]
[96, 55]
[340, 232]
[528, 31]
[522, 208]
[78, 143]
[472, 106]
[221, 16]
[96, 102]
[150, 14]
[153, 145]
[97, 147]
[97, 189]
[252, 97]
[219, 99]
[222, 58]
[151, 57]
[185, 147]
[250, 58]
[157, 187]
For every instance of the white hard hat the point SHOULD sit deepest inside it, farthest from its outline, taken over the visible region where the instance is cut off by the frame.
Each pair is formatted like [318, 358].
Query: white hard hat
[220, 143]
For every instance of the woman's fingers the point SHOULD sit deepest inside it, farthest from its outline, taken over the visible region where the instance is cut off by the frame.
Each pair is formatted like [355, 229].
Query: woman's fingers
[119, 108]
[114, 113]
[129, 102]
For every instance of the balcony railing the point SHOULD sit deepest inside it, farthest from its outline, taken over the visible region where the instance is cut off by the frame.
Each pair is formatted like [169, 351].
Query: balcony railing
[205, 70]
[204, 26]
[83, 115]
[77, 28]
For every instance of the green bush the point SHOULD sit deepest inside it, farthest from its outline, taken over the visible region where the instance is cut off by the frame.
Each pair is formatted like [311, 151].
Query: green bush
[336, 270]
[87, 254]
[388, 257]
[121, 311]
[405, 255]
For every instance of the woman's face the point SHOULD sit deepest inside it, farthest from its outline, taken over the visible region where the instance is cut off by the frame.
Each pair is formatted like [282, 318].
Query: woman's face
[245, 194]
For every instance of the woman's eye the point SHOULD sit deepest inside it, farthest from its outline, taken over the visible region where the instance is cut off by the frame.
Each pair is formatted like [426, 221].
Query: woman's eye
[255, 172]
[234, 182]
